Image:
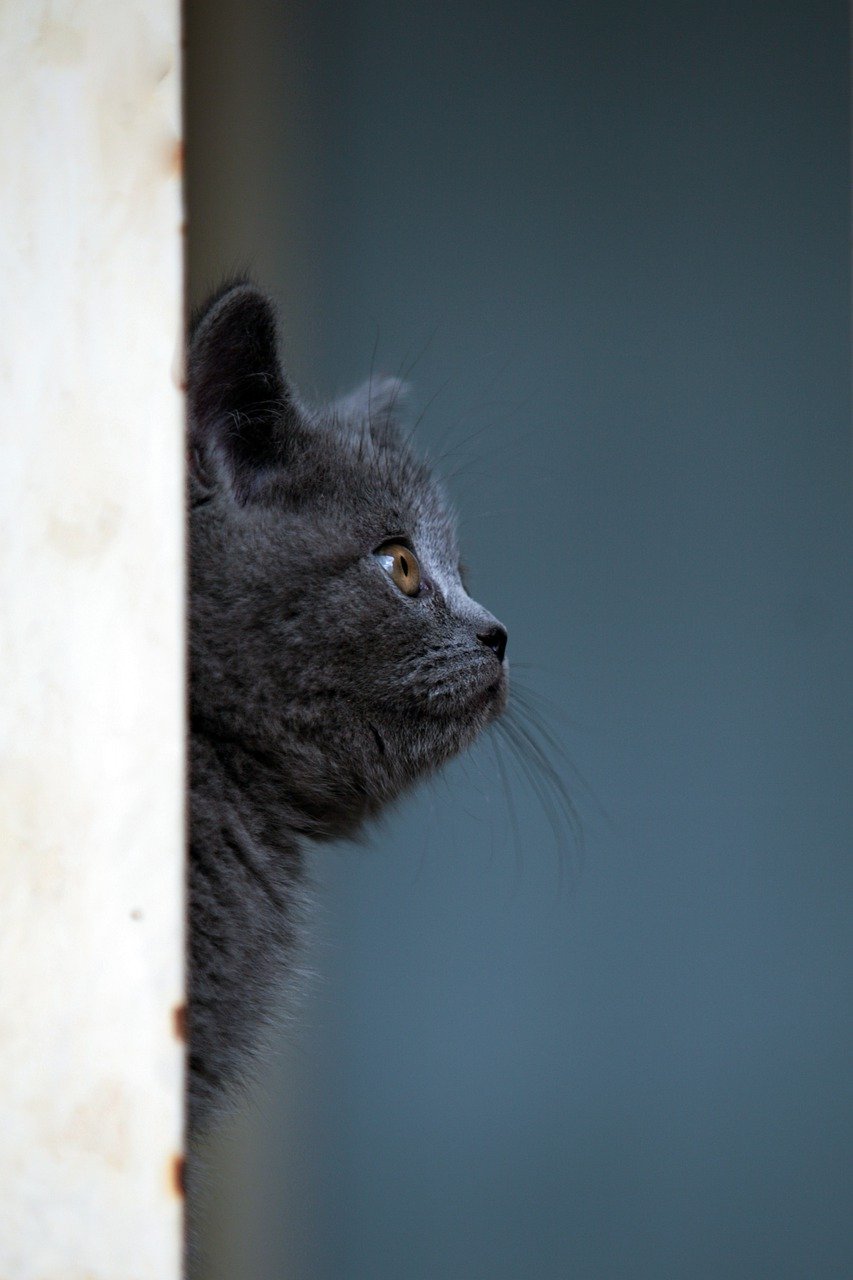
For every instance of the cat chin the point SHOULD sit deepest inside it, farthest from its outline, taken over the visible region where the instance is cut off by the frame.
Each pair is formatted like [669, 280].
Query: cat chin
[499, 694]
[490, 703]
[478, 707]
[479, 710]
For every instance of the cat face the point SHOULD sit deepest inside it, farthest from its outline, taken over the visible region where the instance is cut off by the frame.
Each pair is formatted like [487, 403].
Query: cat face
[330, 627]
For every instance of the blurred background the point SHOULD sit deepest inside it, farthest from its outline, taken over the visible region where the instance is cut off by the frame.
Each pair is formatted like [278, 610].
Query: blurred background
[609, 242]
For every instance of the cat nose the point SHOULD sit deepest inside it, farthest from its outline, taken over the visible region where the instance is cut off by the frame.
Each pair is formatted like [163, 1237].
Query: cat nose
[495, 639]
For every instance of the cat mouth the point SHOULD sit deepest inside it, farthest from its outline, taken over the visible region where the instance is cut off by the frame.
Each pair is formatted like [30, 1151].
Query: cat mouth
[466, 695]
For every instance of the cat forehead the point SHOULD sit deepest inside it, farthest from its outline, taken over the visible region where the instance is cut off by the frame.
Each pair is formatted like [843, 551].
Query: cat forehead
[384, 481]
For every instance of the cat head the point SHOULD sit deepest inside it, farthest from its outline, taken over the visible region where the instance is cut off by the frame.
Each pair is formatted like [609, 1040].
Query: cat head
[331, 632]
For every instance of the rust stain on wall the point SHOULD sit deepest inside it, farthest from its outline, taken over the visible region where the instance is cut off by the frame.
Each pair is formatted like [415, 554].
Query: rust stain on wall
[177, 1171]
[175, 158]
[179, 1022]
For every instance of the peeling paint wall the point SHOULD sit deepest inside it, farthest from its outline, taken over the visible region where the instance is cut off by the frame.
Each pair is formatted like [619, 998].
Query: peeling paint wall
[91, 641]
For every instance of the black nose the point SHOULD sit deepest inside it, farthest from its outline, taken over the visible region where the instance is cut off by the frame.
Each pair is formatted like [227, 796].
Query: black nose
[494, 639]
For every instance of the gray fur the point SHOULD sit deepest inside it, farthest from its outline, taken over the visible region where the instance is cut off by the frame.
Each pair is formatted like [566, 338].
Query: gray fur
[319, 692]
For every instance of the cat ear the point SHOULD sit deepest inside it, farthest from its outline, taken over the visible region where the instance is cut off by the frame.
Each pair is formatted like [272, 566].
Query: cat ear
[377, 405]
[241, 409]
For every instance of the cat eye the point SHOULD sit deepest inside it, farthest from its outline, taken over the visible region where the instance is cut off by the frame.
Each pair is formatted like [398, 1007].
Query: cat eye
[401, 564]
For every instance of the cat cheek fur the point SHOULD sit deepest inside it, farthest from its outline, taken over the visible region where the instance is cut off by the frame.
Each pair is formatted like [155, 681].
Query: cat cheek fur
[318, 691]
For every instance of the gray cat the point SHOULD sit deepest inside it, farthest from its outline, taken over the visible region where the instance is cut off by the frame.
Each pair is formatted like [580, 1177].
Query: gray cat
[335, 657]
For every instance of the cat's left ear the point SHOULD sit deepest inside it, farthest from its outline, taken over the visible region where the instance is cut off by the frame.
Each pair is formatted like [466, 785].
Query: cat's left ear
[377, 405]
[241, 410]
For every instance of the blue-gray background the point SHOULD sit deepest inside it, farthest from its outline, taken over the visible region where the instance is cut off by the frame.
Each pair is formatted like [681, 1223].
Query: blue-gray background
[613, 238]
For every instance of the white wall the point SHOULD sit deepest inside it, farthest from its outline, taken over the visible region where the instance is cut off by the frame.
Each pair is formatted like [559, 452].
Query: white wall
[91, 640]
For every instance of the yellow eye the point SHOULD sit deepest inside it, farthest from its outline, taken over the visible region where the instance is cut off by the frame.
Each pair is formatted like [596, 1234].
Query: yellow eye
[402, 565]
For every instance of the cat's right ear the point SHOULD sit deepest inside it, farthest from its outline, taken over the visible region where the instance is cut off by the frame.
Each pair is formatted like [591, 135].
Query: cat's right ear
[242, 415]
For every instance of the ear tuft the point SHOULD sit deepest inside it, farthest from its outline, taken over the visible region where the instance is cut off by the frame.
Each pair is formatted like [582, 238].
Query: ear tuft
[239, 403]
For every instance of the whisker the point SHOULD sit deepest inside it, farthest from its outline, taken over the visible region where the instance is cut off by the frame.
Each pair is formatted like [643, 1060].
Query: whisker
[548, 789]
[407, 370]
[523, 701]
[549, 772]
[370, 389]
[510, 803]
[411, 434]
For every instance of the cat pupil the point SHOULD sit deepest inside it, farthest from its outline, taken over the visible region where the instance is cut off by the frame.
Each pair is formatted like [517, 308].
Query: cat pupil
[404, 565]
